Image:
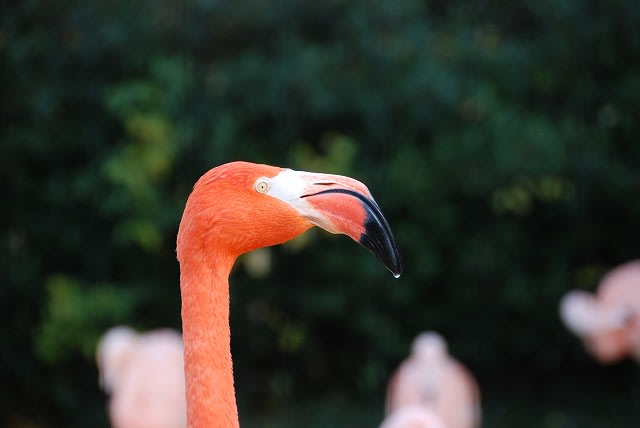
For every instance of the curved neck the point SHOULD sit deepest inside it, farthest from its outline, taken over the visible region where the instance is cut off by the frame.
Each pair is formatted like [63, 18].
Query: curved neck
[204, 286]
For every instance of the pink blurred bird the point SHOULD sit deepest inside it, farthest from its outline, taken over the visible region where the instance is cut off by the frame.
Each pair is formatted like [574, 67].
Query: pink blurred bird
[431, 378]
[608, 322]
[144, 374]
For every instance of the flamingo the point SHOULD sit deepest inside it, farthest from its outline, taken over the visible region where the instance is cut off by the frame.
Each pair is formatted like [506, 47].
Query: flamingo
[143, 373]
[431, 378]
[609, 321]
[236, 208]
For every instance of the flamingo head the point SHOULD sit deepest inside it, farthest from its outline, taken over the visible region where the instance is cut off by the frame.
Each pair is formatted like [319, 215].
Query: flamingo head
[585, 315]
[240, 206]
[604, 327]
[113, 350]
[430, 347]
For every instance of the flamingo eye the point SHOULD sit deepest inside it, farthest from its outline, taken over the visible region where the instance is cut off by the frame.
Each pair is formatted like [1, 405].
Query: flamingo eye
[262, 185]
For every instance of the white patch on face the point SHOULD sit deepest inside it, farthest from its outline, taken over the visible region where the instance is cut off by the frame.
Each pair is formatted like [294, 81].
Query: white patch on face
[289, 186]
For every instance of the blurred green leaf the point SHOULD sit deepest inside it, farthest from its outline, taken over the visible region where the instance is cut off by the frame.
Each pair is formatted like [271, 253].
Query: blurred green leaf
[76, 317]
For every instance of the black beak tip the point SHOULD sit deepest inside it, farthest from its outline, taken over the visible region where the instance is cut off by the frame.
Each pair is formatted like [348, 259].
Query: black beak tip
[393, 262]
[380, 242]
[396, 268]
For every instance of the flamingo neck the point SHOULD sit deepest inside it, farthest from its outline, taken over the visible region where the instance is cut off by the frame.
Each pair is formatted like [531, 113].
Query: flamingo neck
[210, 394]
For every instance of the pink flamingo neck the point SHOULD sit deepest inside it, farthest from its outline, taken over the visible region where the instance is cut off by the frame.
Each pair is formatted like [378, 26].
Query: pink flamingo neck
[204, 285]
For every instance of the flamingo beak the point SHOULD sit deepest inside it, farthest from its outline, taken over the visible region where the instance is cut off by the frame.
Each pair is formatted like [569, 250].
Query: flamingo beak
[356, 214]
[339, 204]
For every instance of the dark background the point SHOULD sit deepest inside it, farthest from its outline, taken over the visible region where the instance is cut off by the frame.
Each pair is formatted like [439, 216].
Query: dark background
[501, 139]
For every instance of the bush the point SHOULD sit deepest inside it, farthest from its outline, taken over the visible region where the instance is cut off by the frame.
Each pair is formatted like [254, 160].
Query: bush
[499, 138]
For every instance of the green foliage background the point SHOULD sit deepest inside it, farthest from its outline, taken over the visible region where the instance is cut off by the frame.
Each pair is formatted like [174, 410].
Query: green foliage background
[499, 137]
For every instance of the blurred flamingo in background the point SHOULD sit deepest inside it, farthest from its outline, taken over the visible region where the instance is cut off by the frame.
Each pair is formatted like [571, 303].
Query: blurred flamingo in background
[144, 376]
[236, 208]
[609, 321]
[431, 378]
